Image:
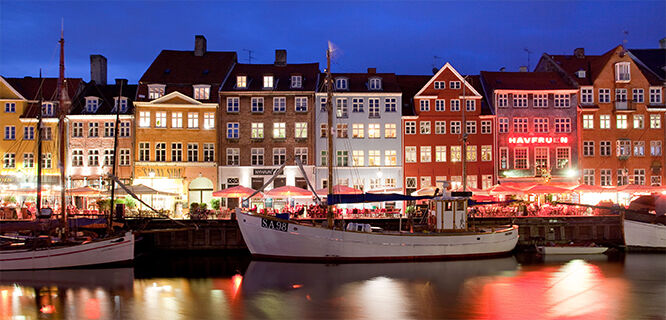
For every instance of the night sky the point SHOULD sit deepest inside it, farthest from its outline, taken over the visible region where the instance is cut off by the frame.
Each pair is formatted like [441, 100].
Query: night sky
[399, 36]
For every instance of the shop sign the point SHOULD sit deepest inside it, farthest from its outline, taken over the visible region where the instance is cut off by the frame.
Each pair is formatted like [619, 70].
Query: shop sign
[263, 172]
[274, 225]
[171, 173]
[539, 140]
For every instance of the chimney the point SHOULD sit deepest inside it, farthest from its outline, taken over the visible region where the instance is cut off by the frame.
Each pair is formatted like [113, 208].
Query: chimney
[522, 69]
[280, 57]
[662, 43]
[372, 70]
[98, 68]
[122, 82]
[199, 45]
[579, 53]
[502, 69]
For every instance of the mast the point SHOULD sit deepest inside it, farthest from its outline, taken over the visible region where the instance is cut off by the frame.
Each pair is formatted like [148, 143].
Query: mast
[39, 146]
[329, 162]
[113, 162]
[464, 139]
[62, 95]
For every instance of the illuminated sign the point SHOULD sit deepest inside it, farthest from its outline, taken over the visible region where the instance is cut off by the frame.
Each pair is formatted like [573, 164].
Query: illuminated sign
[171, 173]
[539, 140]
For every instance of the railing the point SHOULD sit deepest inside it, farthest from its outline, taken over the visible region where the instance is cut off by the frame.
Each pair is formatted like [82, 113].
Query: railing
[624, 105]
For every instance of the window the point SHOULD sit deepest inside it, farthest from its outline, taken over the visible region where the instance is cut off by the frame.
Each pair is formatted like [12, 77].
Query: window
[487, 153]
[108, 157]
[456, 154]
[622, 177]
[124, 159]
[209, 120]
[426, 154]
[279, 130]
[622, 73]
[390, 131]
[621, 121]
[93, 129]
[176, 152]
[233, 104]
[322, 104]
[655, 180]
[424, 127]
[604, 95]
[562, 101]
[655, 95]
[540, 125]
[160, 119]
[424, 105]
[341, 84]
[604, 121]
[562, 125]
[470, 127]
[92, 103]
[192, 152]
[10, 132]
[209, 152]
[9, 161]
[160, 151]
[241, 82]
[109, 129]
[257, 158]
[502, 100]
[410, 154]
[588, 148]
[426, 181]
[357, 105]
[639, 176]
[655, 148]
[374, 158]
[341, 108]
[588, 176]
[301, 154]
[637, 95]
[605, 148]
[144, 151]
[301, 104]
[639, 121]
[324, 158]
[504, 158]
[47, 109]
[374, 131]
[233, 130]
[471, 153]
[440, 153]
[10, 107]
[503, 124]
[358, 158]
[155, 91]
[410, 182]
[389, 182]
[279, 105]
[301, 130]
[486, 181]
[268, 82]
[296, 81]
[123, 104]
[257, 104]
[323, 130]
[541, 160]
[623, 148]
[639, 148]
[621, 95]
[440, 85]
[341, 130]
[588, 121]
[486, 127]
[520, 158]
[47, 134]
[77, 158]
[93, 158]
[390, 104]
[440, 127]
[454, 84]
[470, 105]
[201, 92]
[342, 158]
[390, 158]
[233, 156]
[520, 125]
[47, 162]
[176, 119]
[606, 177]
[257, 130]
[144, 119]
[373, 108]
[375, 84]
[455, 127]
[655, 121]
[193, 120]
[520, 100]
[410, 127]
[586, 95]
[563, 157]
[440, 105]
[455, 105]
[77, 131]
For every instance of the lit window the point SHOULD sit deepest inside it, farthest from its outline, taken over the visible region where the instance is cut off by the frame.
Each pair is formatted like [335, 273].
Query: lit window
[358, 158]
[456, 154]
[374, 131]
[176, 119]
[342, 130]
[160, 119]
[390, 130]
[241, 81]
[639, 121]
[440, 153]
[588, 121]
[410, 154]
[471, 153]
[209, 120]
[487, 153]
[301, 130]
[655, 121]
[374, 158]
[279, 130]
[193, 120]
[426, 154]
[257, 130]
[268, 82]
[155, 91]
[604, 121]
[201, 92]
[390, 158]
[621, 121]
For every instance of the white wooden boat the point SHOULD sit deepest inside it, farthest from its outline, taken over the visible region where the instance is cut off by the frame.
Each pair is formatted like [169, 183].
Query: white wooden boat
[570, 250]
[105, 251]
[644, 235]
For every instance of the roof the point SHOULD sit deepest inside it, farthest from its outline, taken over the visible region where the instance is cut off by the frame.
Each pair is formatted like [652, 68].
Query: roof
[358, 82]
[475, 81]
[653, 59]
[410, 85]
[29, 88]
[592, 65]
[106, 93]
[524, 81]
[179, 70]
[281, 76]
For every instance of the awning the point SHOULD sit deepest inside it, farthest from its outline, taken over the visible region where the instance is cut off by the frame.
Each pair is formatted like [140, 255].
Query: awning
[140, 189]
[546, 189]
[236, 192]
[288, 192]
[339, 189]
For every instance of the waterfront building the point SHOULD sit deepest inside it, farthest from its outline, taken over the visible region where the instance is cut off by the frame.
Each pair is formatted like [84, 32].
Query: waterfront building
[621, 116]
[537, 130]
[91, 128]
[432, 137]
[175, 122]
[266, 119]
[367, 131]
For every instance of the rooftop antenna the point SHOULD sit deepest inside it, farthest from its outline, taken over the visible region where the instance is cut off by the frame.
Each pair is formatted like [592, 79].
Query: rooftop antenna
[249, 55]
[434, 64]
[528, 58]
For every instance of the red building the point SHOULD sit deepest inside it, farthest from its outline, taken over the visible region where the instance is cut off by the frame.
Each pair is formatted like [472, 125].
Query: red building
[445, 107]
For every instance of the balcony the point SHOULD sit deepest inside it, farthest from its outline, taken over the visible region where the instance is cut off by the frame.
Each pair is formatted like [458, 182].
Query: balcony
[624, 105]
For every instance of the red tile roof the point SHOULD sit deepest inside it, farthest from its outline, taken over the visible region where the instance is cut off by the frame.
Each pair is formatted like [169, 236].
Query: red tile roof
[281, 76]
[29, 87]
[591, 64]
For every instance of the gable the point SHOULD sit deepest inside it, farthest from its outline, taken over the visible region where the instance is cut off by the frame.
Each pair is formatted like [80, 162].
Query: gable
[8, 92]
[175, 98]
[446, 73]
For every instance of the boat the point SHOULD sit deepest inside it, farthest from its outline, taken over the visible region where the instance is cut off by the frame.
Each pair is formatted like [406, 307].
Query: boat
[570, 250]
[448, 235]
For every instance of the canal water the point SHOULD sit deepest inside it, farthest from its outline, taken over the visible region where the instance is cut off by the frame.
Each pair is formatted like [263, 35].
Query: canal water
[631, 286]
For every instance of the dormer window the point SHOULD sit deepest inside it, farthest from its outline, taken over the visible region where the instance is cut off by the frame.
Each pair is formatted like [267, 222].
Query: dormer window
[580, 74]
[341, 84]
[622, 73]
[201, 91]
[241, 82]
[375, 84]
[155, 91]
[296, 81]
[123, 104]
[47, 109]
[268, 82]
[92, 103]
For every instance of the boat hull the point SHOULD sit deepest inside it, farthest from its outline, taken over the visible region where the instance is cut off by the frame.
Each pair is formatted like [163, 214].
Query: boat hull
[267, 237]
[113, 250]
[571, 250]
[644, 235]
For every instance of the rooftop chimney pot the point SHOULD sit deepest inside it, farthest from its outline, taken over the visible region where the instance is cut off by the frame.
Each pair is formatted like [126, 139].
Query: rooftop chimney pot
[522, 69]
[280, 57]
[199, 45]
[579, 53]
[372, 70]
[98, 68]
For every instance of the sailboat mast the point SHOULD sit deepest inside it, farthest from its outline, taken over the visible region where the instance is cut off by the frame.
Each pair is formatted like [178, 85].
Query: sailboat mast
[115, 149]
[464, 139]
[62, 94]
[39, 146]
[329, 156]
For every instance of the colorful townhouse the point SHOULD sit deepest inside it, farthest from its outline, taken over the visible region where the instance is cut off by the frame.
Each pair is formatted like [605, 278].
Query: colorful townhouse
[367, 127]
[446, 107]
[175, 113]
[621, 116]
[92, 126]
[537, 126]
[266, 120]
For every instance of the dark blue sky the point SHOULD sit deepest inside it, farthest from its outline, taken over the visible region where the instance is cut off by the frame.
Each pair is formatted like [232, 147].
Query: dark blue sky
[398, 36]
